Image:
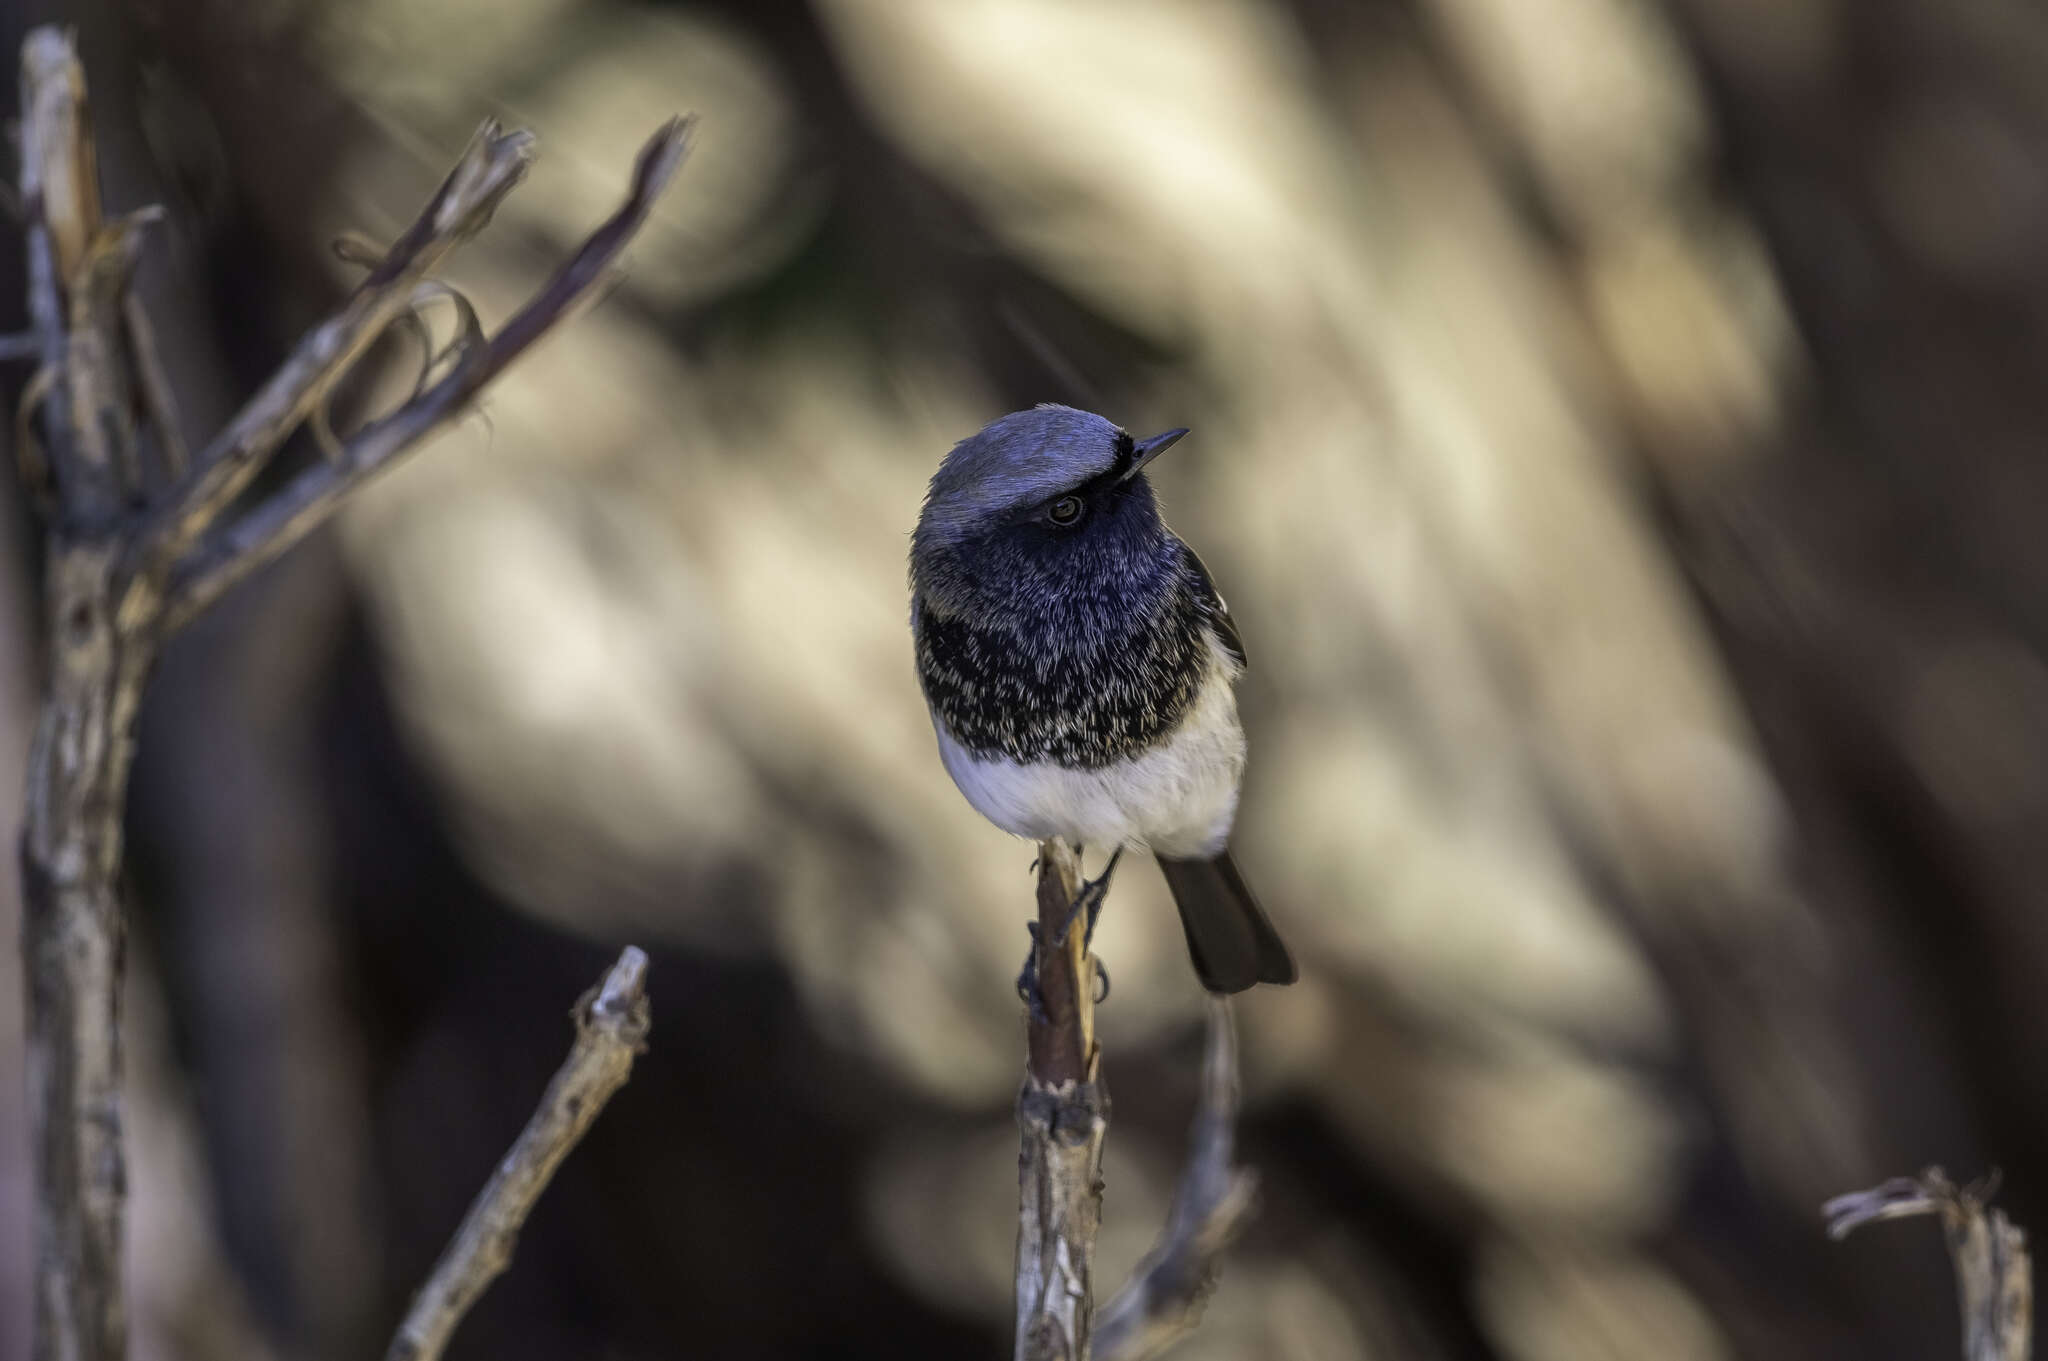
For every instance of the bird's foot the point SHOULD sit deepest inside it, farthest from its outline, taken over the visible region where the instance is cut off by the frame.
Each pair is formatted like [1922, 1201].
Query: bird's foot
[1027, 981]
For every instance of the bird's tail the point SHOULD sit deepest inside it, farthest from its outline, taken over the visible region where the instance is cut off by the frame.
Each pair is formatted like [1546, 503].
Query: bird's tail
[1230, 940]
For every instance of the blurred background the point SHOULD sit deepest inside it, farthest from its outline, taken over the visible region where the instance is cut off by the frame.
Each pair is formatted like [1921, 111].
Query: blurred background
[1618, 428]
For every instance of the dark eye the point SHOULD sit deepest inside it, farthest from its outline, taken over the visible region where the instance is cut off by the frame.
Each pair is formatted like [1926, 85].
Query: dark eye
[1064, 511]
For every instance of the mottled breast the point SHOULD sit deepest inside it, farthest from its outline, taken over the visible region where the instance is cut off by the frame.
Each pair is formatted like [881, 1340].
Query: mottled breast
[1011, 690]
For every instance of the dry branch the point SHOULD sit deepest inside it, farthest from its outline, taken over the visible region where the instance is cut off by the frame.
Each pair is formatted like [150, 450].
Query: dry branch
[611, 1028]
[127, 569]
[1994, 1278]
[1163, 1300]
[1063, 1117]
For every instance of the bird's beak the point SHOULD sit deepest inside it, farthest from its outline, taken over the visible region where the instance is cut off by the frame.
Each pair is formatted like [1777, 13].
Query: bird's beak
[1147, 450]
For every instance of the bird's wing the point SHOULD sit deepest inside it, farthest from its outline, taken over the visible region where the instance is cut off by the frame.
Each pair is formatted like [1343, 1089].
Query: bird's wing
[1212, 605]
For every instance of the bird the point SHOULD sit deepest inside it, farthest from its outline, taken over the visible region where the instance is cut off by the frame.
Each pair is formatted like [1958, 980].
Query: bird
[1081, 669]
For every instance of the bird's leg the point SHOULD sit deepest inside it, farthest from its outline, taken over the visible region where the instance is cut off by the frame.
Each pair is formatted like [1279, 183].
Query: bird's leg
[1090, 899]
[1098, 893]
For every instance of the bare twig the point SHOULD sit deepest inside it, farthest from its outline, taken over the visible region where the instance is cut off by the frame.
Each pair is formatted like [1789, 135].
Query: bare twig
[1063, 1115]
[124, 572]
[236, 549]
[1163, 1300]
[490, 168]
[1994, 1278]
[611, 1028]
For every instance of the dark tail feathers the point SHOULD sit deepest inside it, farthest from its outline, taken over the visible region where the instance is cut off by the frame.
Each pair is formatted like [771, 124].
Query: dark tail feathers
[1230, 940]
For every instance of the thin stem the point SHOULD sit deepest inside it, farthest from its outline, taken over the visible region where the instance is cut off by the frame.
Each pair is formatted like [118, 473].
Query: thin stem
[612, 1021]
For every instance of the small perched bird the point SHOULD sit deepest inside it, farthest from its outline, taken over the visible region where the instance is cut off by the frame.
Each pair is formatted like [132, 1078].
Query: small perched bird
[1080, 667]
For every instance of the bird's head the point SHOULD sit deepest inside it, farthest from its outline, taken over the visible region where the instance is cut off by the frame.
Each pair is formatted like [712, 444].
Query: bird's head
[1050, 500]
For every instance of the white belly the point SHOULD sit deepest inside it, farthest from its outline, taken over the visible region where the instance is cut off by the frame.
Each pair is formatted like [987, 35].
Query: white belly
[1178, 797]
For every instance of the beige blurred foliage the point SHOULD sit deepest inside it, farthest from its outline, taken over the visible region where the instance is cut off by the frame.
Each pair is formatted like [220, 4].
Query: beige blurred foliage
[1516, 1121]
[1561, 1300]
[646, 617]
